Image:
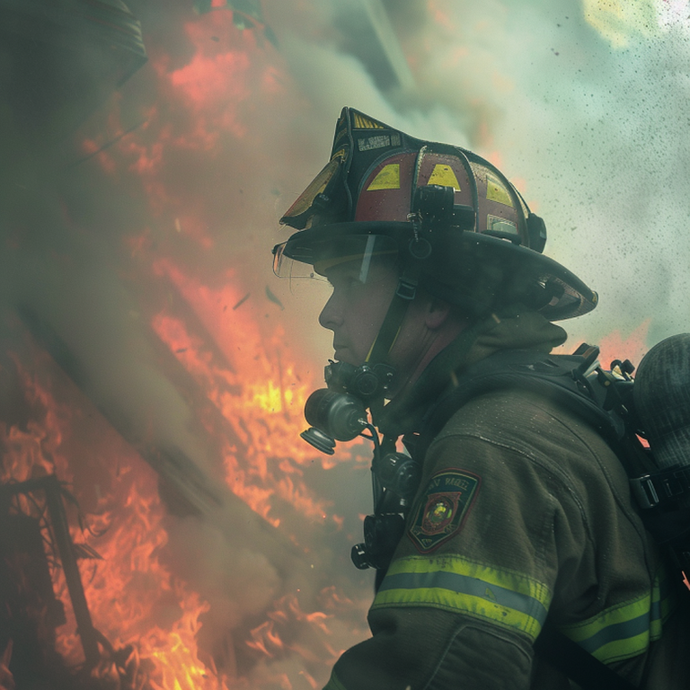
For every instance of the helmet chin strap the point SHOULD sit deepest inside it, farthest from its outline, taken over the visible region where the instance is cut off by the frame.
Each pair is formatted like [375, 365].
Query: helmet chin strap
[390, 329]
[418, 250]
[392, 322]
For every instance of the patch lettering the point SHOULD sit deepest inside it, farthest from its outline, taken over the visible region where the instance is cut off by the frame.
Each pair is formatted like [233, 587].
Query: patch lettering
[371, 143]
[441, 513]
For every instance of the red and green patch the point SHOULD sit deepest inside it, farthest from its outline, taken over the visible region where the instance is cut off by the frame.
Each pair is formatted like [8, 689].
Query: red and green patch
[442, 512]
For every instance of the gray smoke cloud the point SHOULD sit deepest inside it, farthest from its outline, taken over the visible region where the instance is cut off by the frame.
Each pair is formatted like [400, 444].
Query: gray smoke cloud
[582, 107]
[583, 110]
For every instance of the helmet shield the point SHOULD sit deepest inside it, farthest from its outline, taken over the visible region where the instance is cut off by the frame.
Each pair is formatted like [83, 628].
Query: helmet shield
[315, 258]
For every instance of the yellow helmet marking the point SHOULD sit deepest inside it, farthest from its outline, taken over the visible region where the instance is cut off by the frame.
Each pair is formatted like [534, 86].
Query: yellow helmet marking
[388, 178]
[495, 191]
[363, 122]
[443, 175]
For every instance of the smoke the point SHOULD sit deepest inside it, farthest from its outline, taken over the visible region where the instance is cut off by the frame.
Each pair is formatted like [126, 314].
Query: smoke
[210, 142]
[599, 136]
[582, 106]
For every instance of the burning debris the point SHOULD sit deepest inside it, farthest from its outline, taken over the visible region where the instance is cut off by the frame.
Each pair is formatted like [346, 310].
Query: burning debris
[241, 301]
[34, 534]
[273, 298]
[149, 621]
[196, 563]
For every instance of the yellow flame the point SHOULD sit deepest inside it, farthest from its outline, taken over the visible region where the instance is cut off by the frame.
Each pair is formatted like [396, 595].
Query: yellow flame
[269, 397]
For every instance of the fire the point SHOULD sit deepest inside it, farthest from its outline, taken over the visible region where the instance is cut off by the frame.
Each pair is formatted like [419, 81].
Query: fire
[129, 589]
[245, 391]
[263, 404]
[150, 618]
[616, 345]
[35, 450]
[633, 347]
[268, 642]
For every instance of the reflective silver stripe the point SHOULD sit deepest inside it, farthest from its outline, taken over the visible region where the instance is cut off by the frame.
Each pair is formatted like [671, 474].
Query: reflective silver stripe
[626, 630]
[464, 584]
[616, 632]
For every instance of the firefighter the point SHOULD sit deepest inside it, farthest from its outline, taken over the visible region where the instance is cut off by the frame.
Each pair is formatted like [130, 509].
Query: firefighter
[521, 523]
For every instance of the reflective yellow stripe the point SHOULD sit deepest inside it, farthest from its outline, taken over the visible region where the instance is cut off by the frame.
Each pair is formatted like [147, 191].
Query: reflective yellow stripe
[626, 630]
[453, 583]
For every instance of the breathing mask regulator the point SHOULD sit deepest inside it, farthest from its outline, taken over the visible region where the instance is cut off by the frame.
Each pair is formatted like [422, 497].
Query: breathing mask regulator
[339, 412]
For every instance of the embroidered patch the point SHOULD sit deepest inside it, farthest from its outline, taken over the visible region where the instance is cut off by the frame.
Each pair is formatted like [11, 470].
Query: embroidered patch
[442, 512]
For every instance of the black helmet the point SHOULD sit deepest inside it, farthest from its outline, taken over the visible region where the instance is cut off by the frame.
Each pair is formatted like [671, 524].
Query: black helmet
[455, 225]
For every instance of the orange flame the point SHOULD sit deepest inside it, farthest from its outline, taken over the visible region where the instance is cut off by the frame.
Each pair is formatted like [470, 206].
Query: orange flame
[129, 591]
[134, 598]
[263, 405]
[616, 346]
[251, 397]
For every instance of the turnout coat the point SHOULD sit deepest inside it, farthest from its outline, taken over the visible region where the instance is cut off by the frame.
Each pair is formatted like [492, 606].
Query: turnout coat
[523, 513]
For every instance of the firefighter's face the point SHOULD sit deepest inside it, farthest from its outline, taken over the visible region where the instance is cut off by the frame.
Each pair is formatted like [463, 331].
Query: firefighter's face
[357, 307]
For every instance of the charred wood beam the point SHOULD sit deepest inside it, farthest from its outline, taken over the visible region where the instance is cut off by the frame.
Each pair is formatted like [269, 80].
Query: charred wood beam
[170, 462]
[63, 541]
[50, 486]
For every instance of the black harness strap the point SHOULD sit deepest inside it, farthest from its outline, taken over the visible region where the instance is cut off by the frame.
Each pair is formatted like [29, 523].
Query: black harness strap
[556, 377]
[569, 658]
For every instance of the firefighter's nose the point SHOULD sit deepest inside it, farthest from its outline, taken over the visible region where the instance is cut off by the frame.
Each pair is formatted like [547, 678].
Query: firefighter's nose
[330, 316]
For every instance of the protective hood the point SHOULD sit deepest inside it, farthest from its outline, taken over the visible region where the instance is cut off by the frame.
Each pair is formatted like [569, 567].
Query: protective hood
[516, 329]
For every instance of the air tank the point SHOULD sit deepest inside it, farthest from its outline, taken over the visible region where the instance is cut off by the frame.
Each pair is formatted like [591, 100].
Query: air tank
[662, 401]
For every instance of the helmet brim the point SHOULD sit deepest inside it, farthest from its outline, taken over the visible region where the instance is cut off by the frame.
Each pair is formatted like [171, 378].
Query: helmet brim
[558, 292]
